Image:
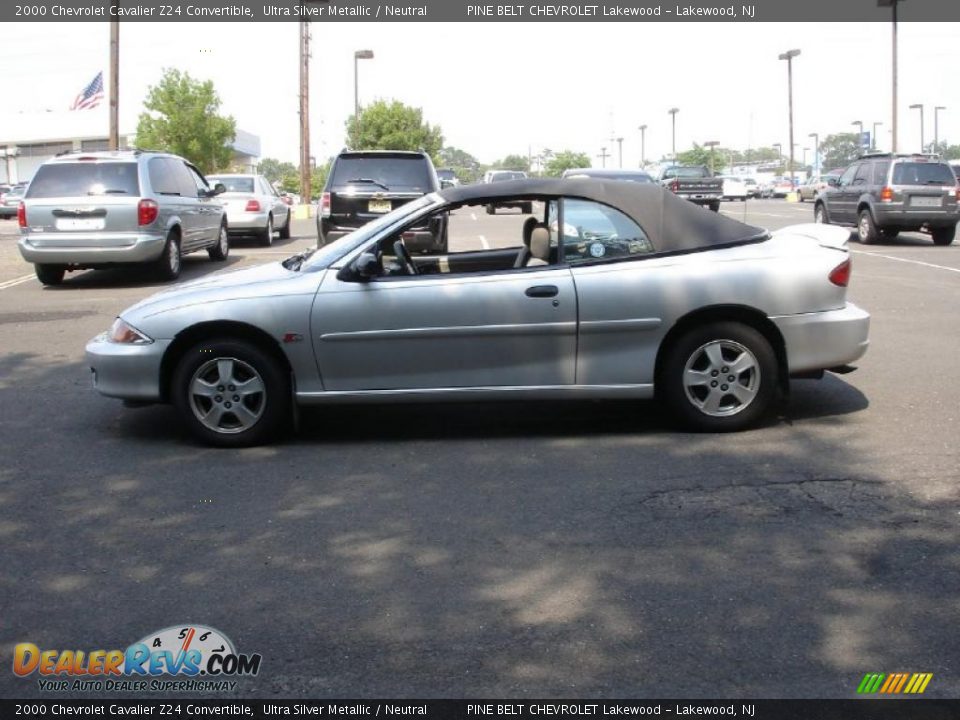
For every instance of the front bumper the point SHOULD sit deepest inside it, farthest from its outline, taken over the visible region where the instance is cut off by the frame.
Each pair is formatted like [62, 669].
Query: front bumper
[90, 250]
[823, 340]
[129, 372]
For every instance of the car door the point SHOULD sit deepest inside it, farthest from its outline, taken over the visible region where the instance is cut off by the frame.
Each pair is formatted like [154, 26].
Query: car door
[210, 209]
[501, 329]
[842, 202]
[280, 209]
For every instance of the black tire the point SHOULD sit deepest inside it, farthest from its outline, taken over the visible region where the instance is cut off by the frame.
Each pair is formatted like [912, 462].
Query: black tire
[867, 231]
[221, 250]
[268, 410]
[526, 208]
[491, 210]
[690, 405]
[820, 214]
[715, 206]
[943, 235]
[266, 235]
[170, 262]
[889, 233]
[285, 230]
[320, 242]
[49, 274]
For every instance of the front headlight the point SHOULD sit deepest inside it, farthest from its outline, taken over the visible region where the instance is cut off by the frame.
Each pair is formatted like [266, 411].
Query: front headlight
[125, 334]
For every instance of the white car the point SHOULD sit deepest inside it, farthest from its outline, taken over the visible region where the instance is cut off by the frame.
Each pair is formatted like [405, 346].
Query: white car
[254, 207]
[734, 188]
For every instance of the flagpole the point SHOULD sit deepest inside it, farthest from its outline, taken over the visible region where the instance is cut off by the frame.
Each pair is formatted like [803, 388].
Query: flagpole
[114, 80]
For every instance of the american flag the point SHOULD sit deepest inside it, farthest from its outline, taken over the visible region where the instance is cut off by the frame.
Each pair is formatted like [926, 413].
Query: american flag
[91, 96]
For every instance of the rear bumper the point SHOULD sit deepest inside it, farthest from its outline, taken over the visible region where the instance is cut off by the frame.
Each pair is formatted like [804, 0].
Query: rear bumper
[246, 222]
[897, 214]
[129, 372]
[8, 211]
[822, 340]
[90, 250]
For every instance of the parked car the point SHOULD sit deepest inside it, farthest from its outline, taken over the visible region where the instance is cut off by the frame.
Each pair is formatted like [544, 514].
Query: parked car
[882, 194]
[495, 176]
[956, 171]
[610, 174]
[641, 294]
[777, 187]
[447, 177]
[97, 209]
[254, 207]
[813, 186]
[734, 188]
[753, 187]
[10, 201]
[365, 185]
[694, 183]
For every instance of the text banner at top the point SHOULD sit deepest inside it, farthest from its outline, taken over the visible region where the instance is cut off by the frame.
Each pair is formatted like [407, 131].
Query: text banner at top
[466, 11]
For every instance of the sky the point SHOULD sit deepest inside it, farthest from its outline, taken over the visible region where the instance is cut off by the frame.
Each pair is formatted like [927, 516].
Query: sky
[517, 88]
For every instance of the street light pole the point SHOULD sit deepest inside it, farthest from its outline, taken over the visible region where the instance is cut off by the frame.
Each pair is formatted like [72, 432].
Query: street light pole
[789, 55]
[919, 106]
[114, 140]
[859, 124]
[357, 56]
[816, 151]
[643, 145]
[673, 120]
[893, 123]
[779, 147]
[603, 156]
[873, 138]
[936, 128]
[305, 191]
[711, 144]
[619, 142]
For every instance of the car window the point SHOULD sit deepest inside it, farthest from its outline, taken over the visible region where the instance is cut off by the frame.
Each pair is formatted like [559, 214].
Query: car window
[880, 170]
[917, 173]
[81, 179]
[848, 174]
[863, 175]
[162, 179]
[186, 185]
[393, 173]
[593, 231]
[234, 184]
[199, 181]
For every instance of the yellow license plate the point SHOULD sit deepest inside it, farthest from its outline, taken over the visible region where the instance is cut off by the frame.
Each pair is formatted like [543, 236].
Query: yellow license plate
[379, 206]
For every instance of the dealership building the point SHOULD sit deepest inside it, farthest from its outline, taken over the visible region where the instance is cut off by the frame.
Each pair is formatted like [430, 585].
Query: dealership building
[27, 140]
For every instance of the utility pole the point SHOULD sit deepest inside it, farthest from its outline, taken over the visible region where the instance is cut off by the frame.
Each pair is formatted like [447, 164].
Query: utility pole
[114, 140]
[873, 138]
[643, 145]
[306, 195]
[711, 144]
[603, 156]
[789, 55]
[619, 142]
[673, 121]
[892, 4]
[936, 128]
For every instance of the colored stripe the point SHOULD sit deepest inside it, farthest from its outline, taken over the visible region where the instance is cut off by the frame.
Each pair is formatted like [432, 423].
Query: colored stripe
[926, 681]
[867, 679]
[914, 682]
[877, 679]
[903, 679]
[890, 680]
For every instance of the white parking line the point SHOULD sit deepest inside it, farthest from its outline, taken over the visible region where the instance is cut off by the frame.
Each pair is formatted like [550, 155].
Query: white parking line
[483, 241]
[16, 281]
[900, 259]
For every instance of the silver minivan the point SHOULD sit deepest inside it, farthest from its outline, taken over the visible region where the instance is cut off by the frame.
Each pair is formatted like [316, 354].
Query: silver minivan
[100, 209]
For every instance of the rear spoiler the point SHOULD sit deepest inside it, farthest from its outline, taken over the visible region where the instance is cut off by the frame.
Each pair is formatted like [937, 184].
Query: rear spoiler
[829, 236]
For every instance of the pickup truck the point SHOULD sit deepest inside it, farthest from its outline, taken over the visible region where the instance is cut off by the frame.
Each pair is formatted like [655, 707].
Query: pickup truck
[694, 183]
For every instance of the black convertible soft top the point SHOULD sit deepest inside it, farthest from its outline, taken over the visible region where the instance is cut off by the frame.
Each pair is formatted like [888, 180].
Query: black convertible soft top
[672, 224]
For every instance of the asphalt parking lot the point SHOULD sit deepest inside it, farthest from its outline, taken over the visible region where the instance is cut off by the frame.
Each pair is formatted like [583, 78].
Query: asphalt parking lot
[574, 549]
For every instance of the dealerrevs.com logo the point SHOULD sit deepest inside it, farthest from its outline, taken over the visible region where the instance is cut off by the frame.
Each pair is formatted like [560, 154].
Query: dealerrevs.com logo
[178, 658]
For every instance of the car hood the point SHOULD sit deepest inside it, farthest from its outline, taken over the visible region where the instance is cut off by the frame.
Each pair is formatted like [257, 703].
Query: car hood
[261, 281]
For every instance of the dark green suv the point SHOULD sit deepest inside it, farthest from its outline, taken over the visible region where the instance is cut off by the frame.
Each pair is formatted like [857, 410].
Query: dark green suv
[883, 194]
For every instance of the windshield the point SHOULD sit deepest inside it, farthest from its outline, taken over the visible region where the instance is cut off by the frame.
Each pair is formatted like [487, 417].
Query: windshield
[79, 179]
[232, 184]
[446, 174]
[686, 172]
[914, 173]
[392, 173]
[328, 254]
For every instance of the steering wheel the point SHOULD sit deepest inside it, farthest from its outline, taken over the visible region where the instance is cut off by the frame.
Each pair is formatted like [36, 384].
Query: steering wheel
[403, 255]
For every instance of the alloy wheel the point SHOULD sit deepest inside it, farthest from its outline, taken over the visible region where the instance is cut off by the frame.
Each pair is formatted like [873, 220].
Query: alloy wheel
[721, 378]
[227, 395]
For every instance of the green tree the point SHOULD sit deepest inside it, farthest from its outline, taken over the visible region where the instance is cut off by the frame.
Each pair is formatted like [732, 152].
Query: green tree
[513, 162]
[182, 117]
[840, 150]
[464, 165]
[565, 160]
[944, 149]
[700, 155]
[275, 171]
[393, 126]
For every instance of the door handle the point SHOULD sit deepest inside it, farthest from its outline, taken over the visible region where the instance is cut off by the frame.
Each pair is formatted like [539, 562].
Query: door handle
[542, 291]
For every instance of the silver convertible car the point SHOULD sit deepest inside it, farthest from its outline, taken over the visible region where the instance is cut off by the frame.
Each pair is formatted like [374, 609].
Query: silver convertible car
[605, 290]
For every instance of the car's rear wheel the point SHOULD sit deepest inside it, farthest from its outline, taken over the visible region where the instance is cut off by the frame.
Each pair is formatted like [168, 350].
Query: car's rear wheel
[170, 262]
[820, 214]
[266, 235]
[50, 274]
[285, 230]
[719, 377]
[715, 206]
[866, 229]
[221, 250]
[231, 393]
[943, 235]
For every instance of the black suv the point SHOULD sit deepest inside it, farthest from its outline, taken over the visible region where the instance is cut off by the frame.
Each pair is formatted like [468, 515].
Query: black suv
[883, 194]
[366, 184]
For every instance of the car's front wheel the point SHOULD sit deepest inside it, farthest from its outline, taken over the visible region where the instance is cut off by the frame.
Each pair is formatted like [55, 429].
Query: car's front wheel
[715, 206]
[50, 274]
[719, 377]
[231, 393]
[820, 214]
[943, 235]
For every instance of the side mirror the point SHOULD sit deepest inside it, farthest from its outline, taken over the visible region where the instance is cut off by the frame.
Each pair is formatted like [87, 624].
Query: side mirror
[444, 184]
[218, 189]
[833, 182]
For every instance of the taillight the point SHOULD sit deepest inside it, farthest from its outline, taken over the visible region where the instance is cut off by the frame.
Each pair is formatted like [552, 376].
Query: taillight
[840, 275]
[22, 214]
[675, 186]
[886, 194]
[147, 211]
[325, 205]
[252, 206]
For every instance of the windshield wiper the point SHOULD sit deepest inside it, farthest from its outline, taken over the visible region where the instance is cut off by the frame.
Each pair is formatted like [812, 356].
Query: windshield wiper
[295, 261]
[371, 181]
